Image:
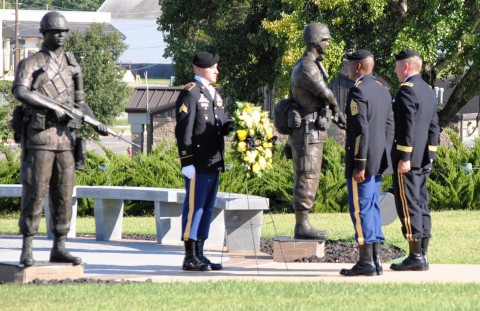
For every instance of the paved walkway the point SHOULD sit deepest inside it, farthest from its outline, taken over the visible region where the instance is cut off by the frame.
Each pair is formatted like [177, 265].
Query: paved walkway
[144, 260]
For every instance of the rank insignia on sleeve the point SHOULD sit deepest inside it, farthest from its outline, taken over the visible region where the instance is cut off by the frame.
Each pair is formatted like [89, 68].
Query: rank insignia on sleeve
[409, 84]
[353, 107]
[183, 108]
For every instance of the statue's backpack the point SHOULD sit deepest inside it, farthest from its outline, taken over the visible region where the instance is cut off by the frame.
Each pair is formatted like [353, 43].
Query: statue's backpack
[286, 116]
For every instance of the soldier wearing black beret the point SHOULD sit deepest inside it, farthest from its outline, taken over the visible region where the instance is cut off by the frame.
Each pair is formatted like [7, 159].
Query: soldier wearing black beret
[414, 149]
[368, 144]
[201, 126]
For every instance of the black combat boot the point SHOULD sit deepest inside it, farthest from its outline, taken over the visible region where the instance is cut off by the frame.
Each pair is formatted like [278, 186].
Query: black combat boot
[414, 261]
[191, 262]
[60, 254]
[377, 250]
[199, 252]
[26, 258]
[425, 242]
[365, 265]
[304, 231]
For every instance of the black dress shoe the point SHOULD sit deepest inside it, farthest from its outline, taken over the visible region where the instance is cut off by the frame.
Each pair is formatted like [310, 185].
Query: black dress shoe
[360, 269]
[215, 266]
[411, 263]
[194, 264]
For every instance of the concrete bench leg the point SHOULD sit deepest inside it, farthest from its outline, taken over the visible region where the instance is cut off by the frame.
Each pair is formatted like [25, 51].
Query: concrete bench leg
[168, 219]
[216, 236]
[48, 219]
[244, 228]
[108, 219]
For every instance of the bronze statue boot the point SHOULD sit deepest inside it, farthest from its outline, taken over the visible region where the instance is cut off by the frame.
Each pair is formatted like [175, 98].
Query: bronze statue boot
[414, 261]
[199, 252]
[377, 250]
[425, 242]
[365, 265]
[191, 262]
[60, 254]
[304, 231]
[26, 258]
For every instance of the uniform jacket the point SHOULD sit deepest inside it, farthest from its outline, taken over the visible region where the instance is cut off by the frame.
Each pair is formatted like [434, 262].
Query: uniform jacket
[54, 77]
[201, 125]
[416, 123]
[369, 134]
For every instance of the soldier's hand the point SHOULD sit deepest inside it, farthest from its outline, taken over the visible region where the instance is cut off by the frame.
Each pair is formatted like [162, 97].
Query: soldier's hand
[188, 171]
[101, 129]
[60, 114]
[339, 120]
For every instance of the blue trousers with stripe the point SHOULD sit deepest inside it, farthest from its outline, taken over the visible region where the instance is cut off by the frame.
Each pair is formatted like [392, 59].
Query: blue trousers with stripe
[365, 209]
[198, 206]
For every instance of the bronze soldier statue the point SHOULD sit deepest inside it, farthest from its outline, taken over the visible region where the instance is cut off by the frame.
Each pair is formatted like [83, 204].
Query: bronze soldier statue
[316, 108]
[48, 77]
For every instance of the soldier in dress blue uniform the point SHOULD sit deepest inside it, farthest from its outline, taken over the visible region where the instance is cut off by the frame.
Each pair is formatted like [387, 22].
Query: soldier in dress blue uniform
[368, 144]
[414, 149]
[201, 126]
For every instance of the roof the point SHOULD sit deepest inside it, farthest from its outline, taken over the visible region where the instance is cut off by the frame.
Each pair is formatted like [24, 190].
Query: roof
[141, 9]
[31, 28]
[160, 99]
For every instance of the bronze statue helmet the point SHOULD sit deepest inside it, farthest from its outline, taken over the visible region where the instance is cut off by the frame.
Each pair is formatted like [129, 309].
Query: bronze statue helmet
[315, 32]
[53, 21]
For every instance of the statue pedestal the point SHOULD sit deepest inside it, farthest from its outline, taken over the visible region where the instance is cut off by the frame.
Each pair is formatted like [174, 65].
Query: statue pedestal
[43, 270]
[287, 249]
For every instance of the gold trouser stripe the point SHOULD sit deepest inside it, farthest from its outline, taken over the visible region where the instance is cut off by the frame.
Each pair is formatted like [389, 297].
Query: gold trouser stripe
[191, 208]
[356, 213]
[406, 214]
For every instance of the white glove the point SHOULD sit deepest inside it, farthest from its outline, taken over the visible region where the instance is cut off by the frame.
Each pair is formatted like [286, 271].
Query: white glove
[188, 171]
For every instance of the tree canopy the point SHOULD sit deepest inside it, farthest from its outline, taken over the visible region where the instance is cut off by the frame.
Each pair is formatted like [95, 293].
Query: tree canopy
[97, 53]
[260, 40]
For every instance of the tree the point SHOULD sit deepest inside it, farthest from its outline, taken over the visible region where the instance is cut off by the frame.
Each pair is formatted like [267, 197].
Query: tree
[97, 53]
[7, 103]
[231, 28]
[446, 33]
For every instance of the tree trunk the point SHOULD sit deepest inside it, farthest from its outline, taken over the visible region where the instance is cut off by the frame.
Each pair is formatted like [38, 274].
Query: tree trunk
[461, 95]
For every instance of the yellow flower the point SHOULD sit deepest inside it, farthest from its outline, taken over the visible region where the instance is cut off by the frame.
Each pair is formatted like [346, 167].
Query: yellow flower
[251, 132]
[256, 168]
[269, 133]
[251, 156]
[268, 153]
[242, 134]
[242, 146]
[262, 162]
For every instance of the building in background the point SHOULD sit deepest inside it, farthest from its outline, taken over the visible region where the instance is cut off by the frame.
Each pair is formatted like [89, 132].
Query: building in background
[30, 38]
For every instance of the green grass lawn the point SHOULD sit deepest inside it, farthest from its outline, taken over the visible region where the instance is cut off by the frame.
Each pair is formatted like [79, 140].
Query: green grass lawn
[455, 241]
[240, 295]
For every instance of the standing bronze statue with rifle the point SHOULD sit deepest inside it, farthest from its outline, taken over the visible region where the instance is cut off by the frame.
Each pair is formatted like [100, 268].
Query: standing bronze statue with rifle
[50, 86]
[315, 109]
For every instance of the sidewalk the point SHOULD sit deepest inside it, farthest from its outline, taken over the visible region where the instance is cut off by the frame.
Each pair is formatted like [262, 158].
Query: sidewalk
[144, 260]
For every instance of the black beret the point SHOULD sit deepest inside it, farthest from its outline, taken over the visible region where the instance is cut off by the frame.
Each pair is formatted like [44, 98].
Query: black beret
[205, 59]
[406, 54]
[359, 55]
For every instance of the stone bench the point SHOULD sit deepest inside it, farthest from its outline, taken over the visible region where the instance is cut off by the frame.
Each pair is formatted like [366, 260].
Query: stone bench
[237, 218]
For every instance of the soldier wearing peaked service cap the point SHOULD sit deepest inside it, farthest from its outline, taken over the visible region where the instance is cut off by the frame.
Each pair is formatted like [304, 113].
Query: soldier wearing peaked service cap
[414, 149]
[368, 143]
[201, 125]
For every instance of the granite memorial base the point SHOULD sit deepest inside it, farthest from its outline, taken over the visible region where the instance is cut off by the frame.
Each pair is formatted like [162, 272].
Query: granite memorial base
[44, 270]
[286, 249]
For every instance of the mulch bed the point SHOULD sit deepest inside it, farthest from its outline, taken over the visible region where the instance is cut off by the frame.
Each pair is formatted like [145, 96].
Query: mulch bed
[337, 251]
